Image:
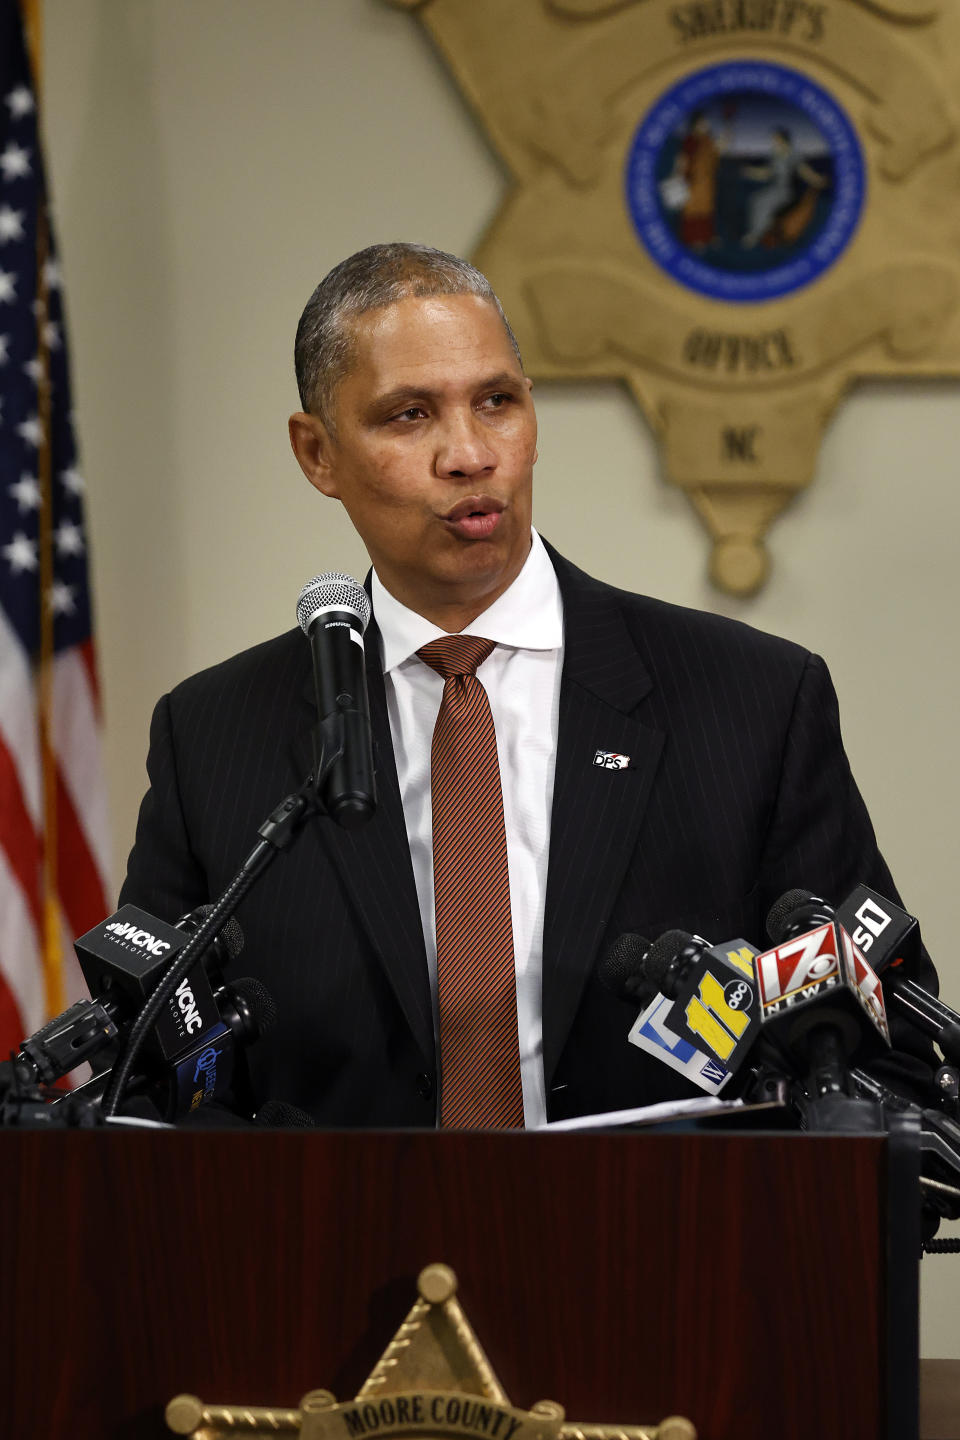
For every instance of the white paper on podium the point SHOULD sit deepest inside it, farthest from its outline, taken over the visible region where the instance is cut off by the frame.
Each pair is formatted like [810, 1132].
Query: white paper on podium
[657, 1114]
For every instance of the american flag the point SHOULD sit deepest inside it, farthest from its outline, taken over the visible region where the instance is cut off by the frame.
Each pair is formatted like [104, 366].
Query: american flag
[54, 861]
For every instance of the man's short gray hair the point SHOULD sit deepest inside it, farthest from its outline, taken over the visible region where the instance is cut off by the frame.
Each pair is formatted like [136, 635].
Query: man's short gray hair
[377, 276]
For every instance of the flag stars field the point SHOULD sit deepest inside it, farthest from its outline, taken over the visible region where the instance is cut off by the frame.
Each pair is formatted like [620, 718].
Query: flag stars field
[60, 598]
[21, 553]
[14, 161]
[11, 224]
[69, 538]
[26, 492]
[31, 431]
[20, 102]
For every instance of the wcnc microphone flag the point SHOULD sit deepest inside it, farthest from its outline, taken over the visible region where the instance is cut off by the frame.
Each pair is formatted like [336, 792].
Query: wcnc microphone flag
[53, 819]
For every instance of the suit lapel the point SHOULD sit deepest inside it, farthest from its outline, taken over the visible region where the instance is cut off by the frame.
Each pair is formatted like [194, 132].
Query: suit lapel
[374, 861]
[597, 813]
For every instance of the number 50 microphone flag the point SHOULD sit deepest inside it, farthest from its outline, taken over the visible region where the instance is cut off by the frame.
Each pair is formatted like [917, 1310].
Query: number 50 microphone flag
[54, 861]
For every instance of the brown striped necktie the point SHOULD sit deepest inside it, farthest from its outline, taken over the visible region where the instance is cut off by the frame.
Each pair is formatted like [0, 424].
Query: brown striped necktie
[476, 980]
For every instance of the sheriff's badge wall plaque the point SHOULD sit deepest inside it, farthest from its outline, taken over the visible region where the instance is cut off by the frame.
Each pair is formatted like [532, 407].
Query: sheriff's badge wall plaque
[433, 1380]
[737, 207]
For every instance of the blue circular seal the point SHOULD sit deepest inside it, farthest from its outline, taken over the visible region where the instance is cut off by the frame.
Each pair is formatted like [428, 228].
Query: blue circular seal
[745, 181]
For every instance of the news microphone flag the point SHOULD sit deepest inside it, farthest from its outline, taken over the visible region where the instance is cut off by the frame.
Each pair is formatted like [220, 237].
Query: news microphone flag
[884, 932]
[822, 968]
[125, 957]
[706, 1028]
[54, 850]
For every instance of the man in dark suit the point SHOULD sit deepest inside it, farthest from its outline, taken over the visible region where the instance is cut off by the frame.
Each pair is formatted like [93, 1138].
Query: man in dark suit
[732, 784]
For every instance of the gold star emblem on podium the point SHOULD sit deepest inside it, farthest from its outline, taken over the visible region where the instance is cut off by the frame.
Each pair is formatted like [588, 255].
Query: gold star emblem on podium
[433, 1379]
[738, 268]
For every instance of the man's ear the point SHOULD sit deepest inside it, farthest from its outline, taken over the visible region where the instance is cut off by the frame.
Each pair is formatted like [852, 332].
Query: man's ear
[313, 447]
[529, 384]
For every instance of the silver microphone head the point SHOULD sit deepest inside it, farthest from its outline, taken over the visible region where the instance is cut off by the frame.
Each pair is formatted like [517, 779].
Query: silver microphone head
[332, 591]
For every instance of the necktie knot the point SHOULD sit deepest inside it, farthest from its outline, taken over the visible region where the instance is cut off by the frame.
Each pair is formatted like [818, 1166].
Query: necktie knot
[456, 654]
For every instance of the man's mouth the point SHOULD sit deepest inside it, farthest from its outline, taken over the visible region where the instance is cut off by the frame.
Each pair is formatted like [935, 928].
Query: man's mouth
[476, 517]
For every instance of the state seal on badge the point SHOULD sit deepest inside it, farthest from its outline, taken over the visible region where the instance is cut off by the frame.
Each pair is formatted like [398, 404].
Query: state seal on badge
[745, 182]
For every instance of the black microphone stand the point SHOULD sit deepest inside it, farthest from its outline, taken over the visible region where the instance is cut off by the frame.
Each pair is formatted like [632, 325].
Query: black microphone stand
[276, 833]
[830, 1102]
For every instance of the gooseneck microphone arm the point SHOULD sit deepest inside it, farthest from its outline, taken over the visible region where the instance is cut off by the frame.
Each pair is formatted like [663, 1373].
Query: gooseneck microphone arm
[828, 1072]
[926, 1013]
[333, 611]
[276, 833]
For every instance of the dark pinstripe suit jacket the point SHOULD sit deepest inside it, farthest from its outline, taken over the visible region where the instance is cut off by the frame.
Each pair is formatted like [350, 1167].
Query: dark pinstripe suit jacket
[738, 789]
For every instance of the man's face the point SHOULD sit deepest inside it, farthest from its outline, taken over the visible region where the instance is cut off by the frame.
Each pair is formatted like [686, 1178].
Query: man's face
[433, 453]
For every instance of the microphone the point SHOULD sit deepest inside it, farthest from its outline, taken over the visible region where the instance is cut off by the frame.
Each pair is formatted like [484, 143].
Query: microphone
[709, 1008]
[280, 1115]
[205, 1072]
[883, 931]
[891, 938]
[333, 611]
[124, 958]
[121, 959]
[622, 968]
[190, 1051]
[225, 946]
[272, 1115]
[201, 1072]
[701, 1009]
[192, 1089]
[816, 989]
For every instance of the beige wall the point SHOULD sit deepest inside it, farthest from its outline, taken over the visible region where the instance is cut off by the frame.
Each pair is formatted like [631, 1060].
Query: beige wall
[210, 160]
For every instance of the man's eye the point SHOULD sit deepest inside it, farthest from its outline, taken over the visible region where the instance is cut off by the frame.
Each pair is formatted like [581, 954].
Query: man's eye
[412, 412]
[497, 400]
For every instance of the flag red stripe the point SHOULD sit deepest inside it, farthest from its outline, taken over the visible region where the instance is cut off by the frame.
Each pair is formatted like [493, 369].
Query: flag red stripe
[79, 884]
[88, 655]
[17, 835]
[12, 1027]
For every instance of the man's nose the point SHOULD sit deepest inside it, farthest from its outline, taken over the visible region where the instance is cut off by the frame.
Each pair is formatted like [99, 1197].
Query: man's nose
[463, 448]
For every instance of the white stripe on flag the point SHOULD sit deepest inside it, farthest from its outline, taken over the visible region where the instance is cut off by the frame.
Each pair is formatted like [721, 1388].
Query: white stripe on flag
[74, 985]
[19, 950]
[18, 719]
[75, 988]
[76, 741]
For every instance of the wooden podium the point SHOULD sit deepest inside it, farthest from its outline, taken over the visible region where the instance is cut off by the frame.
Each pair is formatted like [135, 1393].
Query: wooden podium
[764, 1286]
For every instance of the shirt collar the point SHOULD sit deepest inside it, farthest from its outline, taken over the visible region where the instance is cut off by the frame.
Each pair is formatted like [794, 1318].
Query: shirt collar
[527, 616]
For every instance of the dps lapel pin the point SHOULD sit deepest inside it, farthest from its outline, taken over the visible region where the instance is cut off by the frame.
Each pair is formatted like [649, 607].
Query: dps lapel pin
[611, 760]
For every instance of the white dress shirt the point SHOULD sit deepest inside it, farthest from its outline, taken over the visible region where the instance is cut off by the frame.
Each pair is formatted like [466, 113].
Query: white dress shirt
[522, 681]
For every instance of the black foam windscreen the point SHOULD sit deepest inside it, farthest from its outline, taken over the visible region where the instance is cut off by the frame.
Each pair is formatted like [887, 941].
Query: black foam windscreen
[229, 941]
[796, 906]
[260, 1003]
[622, 964]
[662, 954]
[278, 1115]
